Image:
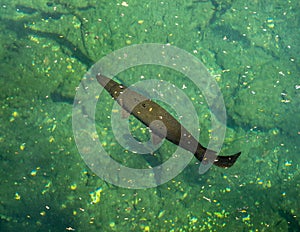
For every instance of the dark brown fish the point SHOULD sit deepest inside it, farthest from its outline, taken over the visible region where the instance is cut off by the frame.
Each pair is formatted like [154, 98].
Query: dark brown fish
[161, 123]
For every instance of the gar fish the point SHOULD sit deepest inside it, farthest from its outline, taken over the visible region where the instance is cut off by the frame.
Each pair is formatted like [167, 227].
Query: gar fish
[161, 122]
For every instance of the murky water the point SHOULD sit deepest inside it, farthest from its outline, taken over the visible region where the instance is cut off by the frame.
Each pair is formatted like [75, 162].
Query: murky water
[250, 49]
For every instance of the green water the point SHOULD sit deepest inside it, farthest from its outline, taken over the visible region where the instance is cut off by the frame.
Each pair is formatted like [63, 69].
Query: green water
[250, 48]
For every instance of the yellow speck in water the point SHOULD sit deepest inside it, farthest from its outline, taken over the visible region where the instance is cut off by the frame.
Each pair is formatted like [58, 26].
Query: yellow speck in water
[17, 196]
[275, 131]
[48, 185]
[96, 195]
[227, 189]
[246, 218]
[219, 215]
[193, 220]
[73, 186]
[112, 225]
[161, 214]
[270, 23]
[184, 196]
[33, 172]
[287, 163]
[268, 184]
[22, 146]
[15, 114]
[34, 39]
[259, 181]
[51, 139]
[77, 25]
[104, 144]
[53, 127]
[84, 172]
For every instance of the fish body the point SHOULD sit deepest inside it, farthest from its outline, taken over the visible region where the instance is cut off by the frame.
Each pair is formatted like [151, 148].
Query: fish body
[160, 121]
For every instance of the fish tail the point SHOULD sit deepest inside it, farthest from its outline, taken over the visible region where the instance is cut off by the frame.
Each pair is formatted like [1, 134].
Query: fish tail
[226, 161]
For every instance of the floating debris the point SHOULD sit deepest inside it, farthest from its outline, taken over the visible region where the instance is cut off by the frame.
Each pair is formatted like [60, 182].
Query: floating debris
[260, 181]
[161, 213]
[15, 114]
[51, 139]
[275, 131]
[124, 4]
[246, 218]
[17, 196]
[268, 184]
[147, 229]
[193, 220]
[270, 23]
[112, 225]
[221, 214]
[70, 228]
[22, 146]
[43, 213]
[288, 163]
[47, 187]
[73, 186]
[33, 172]
[96, 196]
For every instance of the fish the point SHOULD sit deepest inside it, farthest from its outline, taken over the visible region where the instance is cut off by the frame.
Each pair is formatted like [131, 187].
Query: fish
[161, 123]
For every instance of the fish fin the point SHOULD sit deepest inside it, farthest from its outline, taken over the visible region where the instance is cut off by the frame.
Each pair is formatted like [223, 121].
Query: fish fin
[124, 113]
[226, 161]
[155, 139]
[158, 131]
